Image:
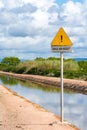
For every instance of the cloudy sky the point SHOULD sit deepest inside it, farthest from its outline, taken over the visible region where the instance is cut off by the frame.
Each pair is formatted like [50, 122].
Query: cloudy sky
[27, 27]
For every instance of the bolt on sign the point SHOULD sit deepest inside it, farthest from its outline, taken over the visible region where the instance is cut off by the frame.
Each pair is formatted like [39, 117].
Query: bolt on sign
[61, 42]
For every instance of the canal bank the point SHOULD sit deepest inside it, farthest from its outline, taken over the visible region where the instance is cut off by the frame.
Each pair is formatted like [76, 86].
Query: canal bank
[75, 85]
[17, 113]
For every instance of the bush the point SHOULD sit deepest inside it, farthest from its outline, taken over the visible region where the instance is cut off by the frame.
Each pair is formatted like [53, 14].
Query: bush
[47, 67]
[83, 65]
[20, 70]
[40, 59]
[10, 69]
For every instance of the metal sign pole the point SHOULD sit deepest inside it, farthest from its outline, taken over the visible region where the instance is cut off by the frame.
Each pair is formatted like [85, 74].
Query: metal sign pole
[61, 43]
[61, 79]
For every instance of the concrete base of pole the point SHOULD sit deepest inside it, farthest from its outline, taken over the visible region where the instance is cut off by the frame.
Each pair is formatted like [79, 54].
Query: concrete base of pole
[61, 123]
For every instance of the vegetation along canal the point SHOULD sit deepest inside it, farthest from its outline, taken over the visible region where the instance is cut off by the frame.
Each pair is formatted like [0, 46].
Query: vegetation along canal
[75, 104]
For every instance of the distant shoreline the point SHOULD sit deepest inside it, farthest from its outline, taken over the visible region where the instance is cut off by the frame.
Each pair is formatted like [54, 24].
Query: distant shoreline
[75, 85]
[80, 59]
[76, 59]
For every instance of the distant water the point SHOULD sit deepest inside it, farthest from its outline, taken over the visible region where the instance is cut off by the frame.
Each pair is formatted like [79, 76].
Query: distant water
[80, 59]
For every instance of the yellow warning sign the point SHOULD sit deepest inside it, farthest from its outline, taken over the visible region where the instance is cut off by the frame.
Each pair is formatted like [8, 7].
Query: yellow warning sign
[61, 39]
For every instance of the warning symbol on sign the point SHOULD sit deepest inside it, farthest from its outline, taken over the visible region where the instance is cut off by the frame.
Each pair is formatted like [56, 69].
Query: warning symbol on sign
[61, 41]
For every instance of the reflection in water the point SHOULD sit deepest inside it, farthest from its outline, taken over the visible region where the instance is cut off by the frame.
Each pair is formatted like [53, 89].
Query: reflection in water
[49, 97]
[7, 80]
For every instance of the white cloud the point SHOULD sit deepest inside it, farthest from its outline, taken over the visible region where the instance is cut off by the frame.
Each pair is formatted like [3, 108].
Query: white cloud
[1, 4]
[33, 24]
[72, 12]
[42, 4]
[8, 4]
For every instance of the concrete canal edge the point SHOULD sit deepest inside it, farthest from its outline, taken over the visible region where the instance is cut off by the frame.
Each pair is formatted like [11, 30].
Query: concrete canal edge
[74, 85]
[32, 115]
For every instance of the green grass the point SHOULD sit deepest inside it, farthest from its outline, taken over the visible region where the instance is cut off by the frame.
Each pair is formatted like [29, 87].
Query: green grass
[46, 67]
[50, 67]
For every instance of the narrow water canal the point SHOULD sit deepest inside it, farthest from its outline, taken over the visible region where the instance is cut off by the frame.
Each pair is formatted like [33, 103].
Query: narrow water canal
[75, 104]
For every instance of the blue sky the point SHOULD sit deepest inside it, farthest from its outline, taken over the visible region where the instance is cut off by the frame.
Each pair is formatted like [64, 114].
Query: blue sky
[27, 27]
[60, 2]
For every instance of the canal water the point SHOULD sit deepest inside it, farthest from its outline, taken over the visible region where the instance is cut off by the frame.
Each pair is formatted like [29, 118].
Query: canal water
[75, 104]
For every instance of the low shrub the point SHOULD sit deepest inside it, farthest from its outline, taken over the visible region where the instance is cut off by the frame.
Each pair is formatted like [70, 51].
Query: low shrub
[20, 70]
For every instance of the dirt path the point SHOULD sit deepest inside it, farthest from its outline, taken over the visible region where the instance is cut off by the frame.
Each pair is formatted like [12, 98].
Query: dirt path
[17, 113]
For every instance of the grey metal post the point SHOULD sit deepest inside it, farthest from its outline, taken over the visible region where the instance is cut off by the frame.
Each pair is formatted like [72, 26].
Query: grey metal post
[61, 79]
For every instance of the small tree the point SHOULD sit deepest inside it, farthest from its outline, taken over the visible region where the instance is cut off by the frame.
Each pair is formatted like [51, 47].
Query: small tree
[10, 61]
[40, 59]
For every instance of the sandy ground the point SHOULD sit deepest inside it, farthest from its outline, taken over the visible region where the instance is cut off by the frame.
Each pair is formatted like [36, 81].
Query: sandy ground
[17, 113]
